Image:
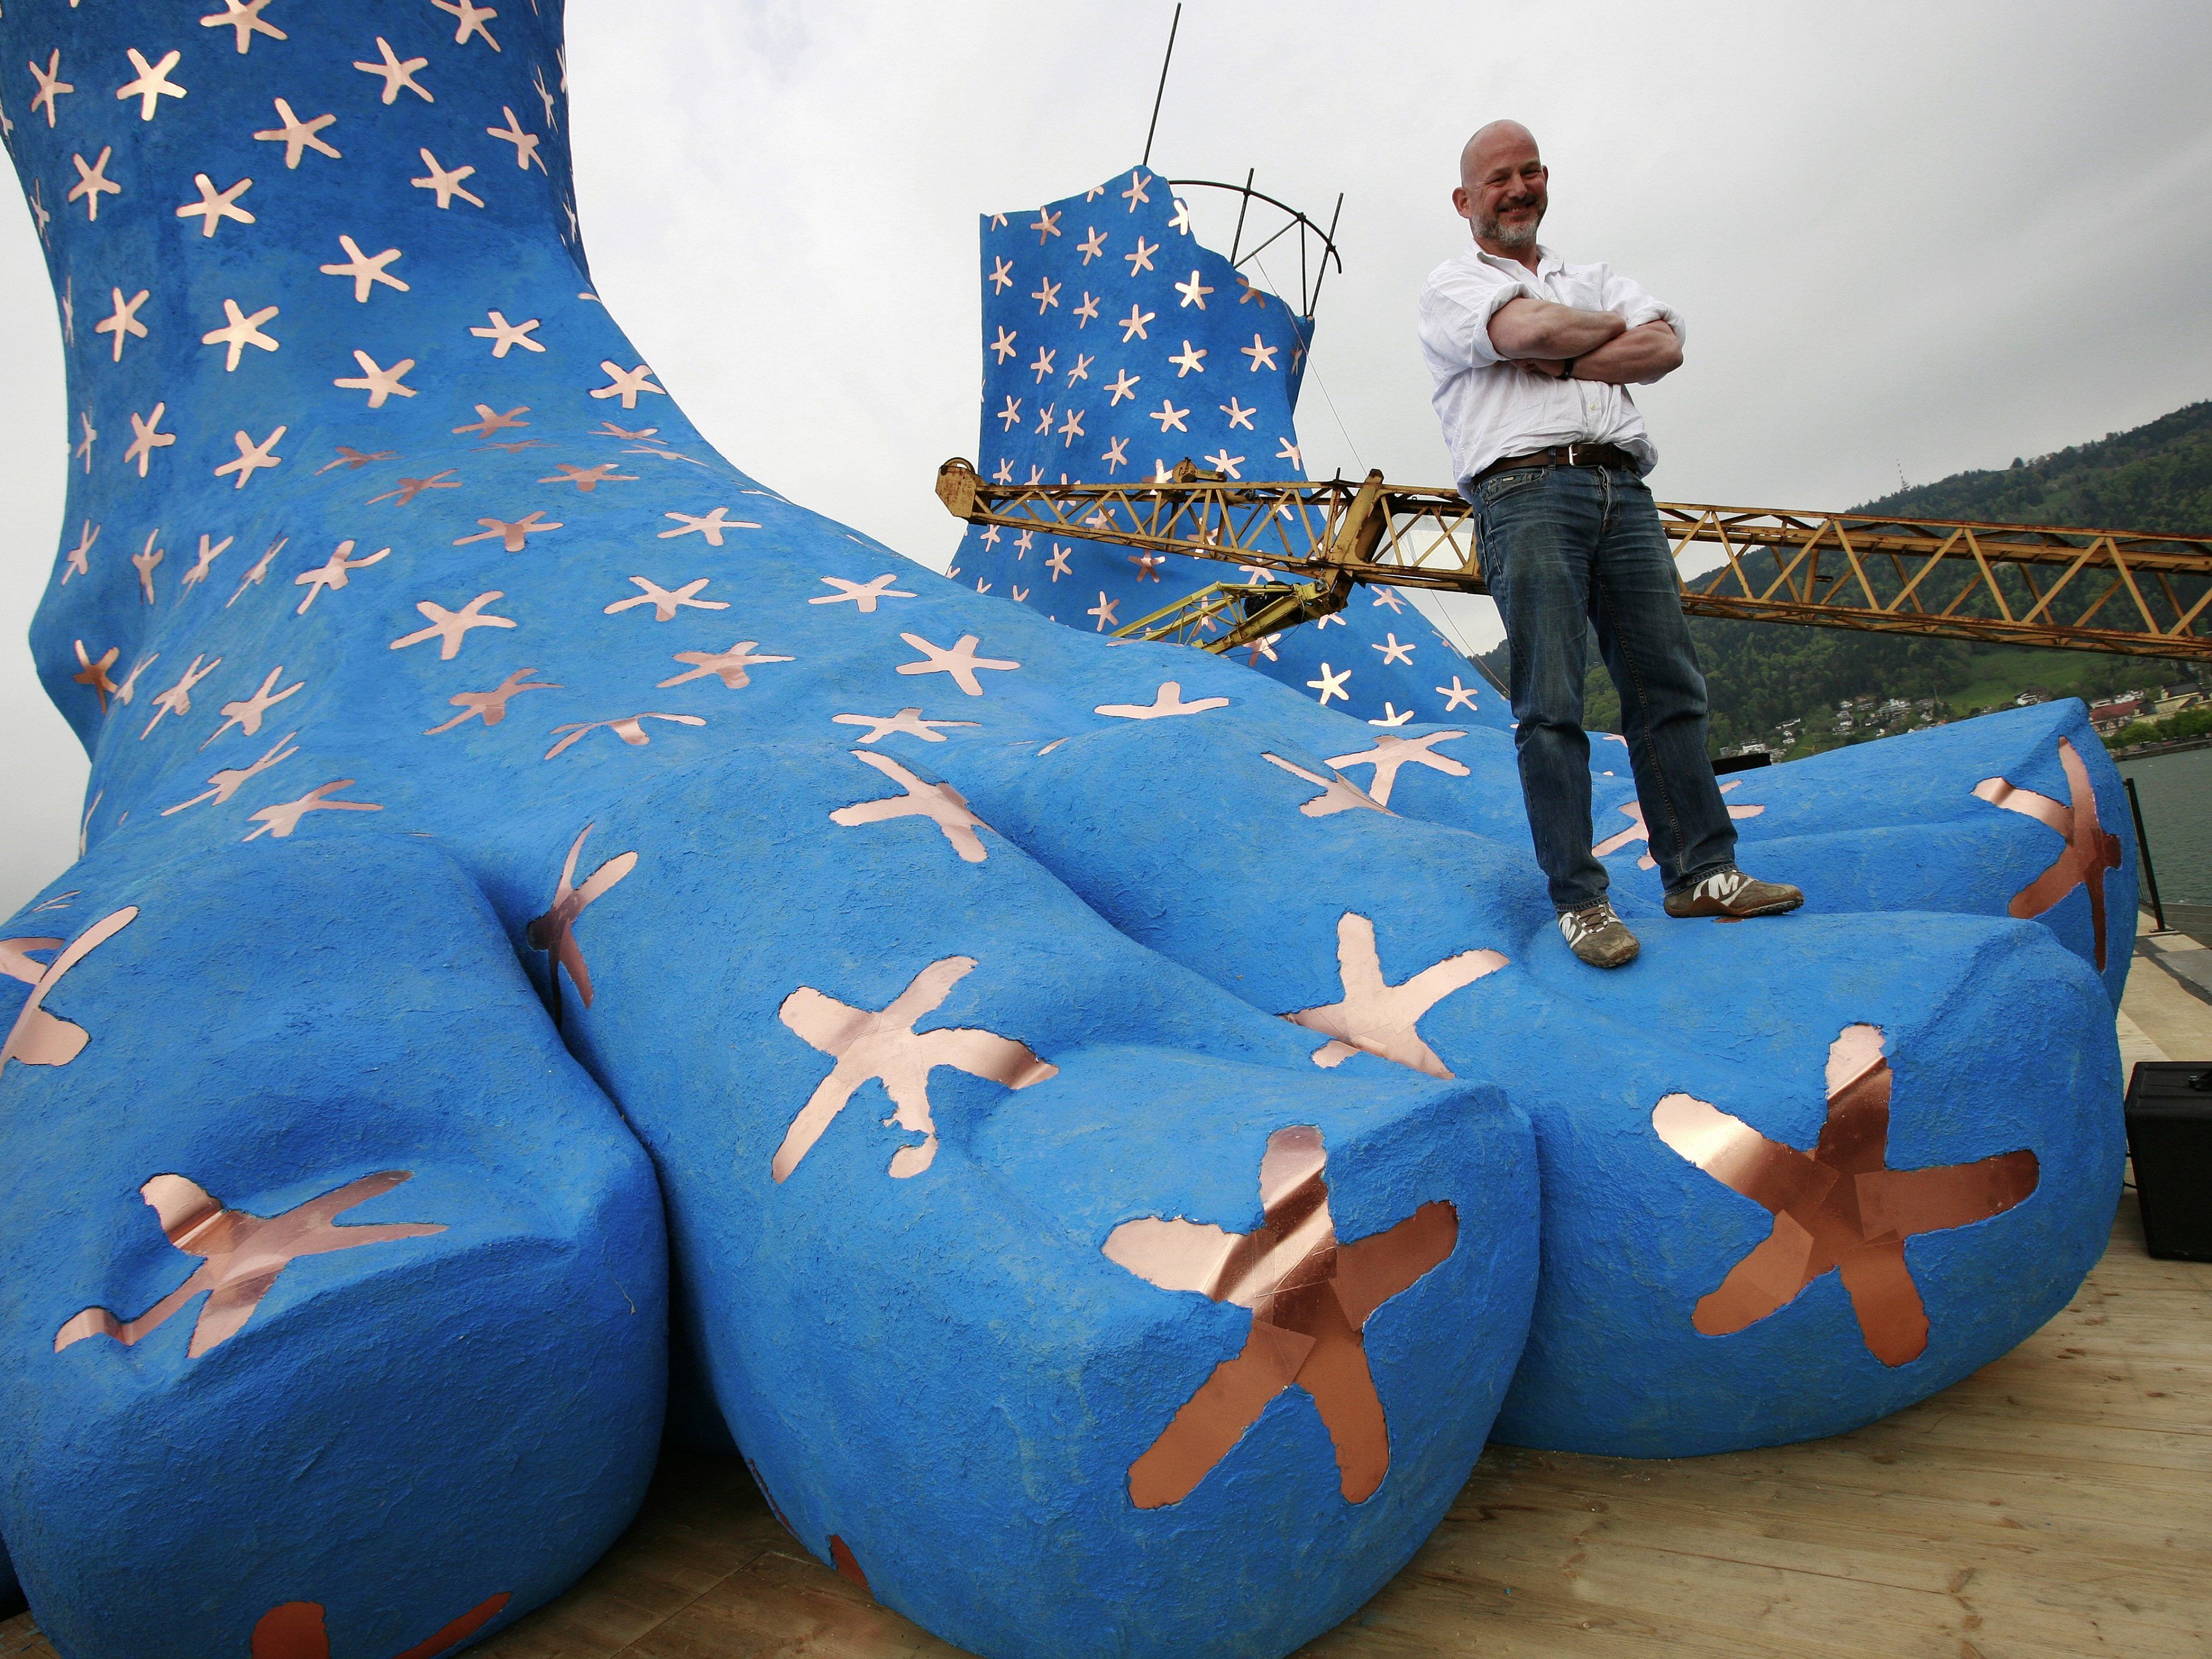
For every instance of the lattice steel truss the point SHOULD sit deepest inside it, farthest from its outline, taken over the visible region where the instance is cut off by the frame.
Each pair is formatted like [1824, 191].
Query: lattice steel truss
[1307, 544]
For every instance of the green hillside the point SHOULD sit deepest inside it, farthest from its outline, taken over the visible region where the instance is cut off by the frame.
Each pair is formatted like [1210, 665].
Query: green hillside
[1764, 676]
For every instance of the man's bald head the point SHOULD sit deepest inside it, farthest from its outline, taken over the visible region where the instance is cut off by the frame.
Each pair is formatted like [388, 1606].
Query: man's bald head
[1503, 187]
[1492, 143]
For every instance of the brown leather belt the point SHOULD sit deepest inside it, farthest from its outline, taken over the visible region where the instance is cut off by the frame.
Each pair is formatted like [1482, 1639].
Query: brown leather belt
[1565, 455]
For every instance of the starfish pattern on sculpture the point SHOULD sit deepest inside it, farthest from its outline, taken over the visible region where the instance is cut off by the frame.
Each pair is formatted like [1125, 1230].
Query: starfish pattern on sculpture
[512, 534]
[884, 1047]
[332, 573]
[50, 86]
[216, 206]
[490, 706]
[354, 459]
[257, 571]
[379, 382]
[178, 699]
[1639, 830]
[587, 478]
[525, 145]
[627, 384]
[91, 182]
[863, 595]
[226, 783]
[240, 332]
[665, 602]
[409, 488]
[83, 450]
[245, 16]
[450, 627]
[366, 270]
[241, 1255]
[281, 819]
[93, 673]
[1456, 694]
[253, 457]
[152, 83]
[940, 803]
[128, 690]
[909, 720]
[503, 334]
[125, 321]
[1374, 1016]
[959, 661]
[470, 21]
[1310, 1297]
[489, 421]
[709, 525]
[446, 183]
[297, 136]
[209, 553]
[730, 665]
[2090, 848]
[144, 562]
[295, 1630]
[1338, 793]
[146, 437]
[1840, 1207]
[77, 560]
[37, 1037]
[1166, 701]
[397, 74]
[1389, 754]
[247, 713]
[630, 728]
[555, 931]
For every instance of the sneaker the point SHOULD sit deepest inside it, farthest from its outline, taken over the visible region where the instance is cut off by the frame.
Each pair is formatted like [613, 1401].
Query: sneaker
[1729, 893]
[1598, 936]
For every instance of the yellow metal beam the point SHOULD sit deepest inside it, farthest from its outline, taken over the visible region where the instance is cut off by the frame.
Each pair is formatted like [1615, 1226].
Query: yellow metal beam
[2138, 595]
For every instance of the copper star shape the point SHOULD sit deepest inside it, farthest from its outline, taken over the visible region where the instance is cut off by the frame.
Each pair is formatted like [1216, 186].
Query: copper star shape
[883, 1045]
[2091, 849]
[242, 1255]
[1840, 1207]
[1310, 1299]
[37, 1038]
[555, 932]
[295, 1631]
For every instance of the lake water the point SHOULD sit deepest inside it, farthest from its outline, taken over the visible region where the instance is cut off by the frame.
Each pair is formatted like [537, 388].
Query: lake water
[2176, 792]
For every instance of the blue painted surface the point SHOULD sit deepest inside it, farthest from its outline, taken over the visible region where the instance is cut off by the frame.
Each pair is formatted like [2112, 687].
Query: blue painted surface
[1115, 344]
[940, 1366]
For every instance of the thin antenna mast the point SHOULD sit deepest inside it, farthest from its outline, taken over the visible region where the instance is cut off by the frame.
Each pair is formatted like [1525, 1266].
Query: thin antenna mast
[1162, 90]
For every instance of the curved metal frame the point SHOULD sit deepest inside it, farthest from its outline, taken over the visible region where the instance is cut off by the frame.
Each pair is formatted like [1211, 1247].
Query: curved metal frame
[1308, 297]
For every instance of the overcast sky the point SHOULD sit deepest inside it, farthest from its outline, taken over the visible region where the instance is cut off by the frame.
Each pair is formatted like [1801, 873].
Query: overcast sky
[1906, 238]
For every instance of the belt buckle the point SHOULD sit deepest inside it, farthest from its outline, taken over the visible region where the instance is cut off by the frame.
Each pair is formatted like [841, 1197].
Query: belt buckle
[1572, 461]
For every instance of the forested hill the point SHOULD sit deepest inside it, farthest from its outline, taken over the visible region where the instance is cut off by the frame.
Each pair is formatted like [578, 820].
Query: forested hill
[1762, 675]
[2157, 478]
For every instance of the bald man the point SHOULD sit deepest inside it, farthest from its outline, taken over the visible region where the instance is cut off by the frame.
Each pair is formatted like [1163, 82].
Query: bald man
[1533, 359]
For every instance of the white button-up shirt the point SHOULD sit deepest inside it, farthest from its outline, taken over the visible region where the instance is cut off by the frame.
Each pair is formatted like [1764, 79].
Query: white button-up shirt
[1491, 409]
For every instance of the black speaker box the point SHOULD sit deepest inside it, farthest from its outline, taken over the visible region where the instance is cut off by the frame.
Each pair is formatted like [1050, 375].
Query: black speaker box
[2169, 1116]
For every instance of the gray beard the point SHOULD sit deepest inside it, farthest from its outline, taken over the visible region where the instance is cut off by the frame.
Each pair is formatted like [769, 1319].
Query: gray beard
[1525, 236]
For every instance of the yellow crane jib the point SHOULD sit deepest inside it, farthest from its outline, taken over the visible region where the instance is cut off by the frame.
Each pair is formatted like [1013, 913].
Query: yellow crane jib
[2088, 590]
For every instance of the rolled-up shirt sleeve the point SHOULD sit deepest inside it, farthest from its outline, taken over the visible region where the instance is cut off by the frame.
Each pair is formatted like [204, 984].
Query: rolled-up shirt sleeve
[1629, 300]
[1457, 307]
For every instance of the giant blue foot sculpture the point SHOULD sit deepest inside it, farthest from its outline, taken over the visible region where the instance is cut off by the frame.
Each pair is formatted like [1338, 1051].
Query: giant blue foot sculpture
[1048, 1279]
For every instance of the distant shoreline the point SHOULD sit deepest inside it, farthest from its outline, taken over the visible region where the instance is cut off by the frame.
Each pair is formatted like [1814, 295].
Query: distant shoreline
[2174, 747]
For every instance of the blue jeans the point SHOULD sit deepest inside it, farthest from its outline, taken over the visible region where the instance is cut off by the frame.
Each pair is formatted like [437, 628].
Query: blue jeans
[1561, 547]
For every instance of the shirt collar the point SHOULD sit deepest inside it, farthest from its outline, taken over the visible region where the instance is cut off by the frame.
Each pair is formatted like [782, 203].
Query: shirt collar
[1546, 261]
